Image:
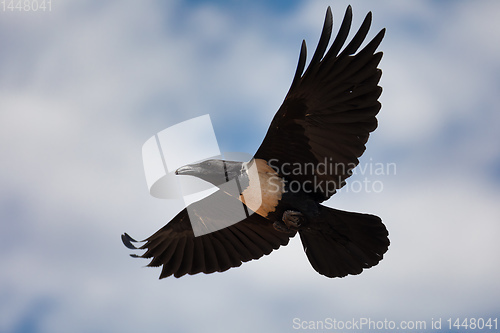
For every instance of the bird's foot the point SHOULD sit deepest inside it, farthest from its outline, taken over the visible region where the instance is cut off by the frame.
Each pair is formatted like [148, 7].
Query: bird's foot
[293, 220]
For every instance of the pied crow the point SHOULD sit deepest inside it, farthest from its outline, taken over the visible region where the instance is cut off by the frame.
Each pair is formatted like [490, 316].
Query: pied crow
[311, 147]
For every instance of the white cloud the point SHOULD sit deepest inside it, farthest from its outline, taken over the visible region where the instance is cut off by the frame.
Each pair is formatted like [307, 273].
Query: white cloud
[83, 89]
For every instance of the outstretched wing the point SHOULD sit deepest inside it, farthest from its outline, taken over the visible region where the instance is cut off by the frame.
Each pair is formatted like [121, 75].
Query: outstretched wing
[176, 248]
[320, 130]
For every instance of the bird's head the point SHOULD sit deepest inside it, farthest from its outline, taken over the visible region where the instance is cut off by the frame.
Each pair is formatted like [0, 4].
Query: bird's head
[216, 172]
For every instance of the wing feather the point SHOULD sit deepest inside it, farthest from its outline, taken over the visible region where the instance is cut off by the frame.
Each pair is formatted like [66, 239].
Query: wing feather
[330, 109]
[179, 252]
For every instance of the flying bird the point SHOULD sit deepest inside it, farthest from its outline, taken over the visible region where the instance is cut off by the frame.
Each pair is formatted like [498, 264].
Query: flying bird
[310, 149]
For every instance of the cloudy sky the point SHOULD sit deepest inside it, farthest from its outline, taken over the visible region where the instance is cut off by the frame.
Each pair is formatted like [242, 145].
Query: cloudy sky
[84, 85]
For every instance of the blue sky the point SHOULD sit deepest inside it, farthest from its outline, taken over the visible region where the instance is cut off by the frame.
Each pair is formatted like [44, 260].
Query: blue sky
[84, 86]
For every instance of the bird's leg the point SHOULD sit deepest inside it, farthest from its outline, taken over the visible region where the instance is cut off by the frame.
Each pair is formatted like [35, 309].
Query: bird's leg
[293, 219]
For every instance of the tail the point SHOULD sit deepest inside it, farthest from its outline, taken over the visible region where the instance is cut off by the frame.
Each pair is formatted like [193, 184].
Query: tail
[342, 243]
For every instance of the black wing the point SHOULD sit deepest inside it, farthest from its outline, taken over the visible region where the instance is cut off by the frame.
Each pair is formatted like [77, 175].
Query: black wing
[176, 248]
[328, 112]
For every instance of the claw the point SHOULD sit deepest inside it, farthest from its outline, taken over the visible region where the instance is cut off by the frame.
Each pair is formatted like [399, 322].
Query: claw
[293, 219]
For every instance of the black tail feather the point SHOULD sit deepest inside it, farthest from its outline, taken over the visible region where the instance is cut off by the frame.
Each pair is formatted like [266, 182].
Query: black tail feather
[343, 243]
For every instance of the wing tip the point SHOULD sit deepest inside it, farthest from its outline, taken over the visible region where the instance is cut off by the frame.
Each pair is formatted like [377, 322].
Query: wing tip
[369, 16]
[382, 32]
[329, 15]
[127, 241]
[348, 15]
[301, 65]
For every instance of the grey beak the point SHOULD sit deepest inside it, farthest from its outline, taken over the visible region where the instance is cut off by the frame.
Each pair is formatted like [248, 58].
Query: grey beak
[186, 170]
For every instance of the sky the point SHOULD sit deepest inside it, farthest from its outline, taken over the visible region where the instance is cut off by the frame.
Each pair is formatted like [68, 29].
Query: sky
[84, 85]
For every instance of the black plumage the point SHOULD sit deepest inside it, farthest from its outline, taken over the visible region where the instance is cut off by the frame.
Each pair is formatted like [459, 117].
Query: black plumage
[325, 120]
